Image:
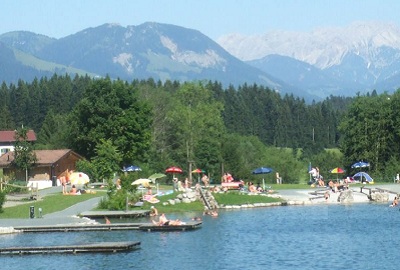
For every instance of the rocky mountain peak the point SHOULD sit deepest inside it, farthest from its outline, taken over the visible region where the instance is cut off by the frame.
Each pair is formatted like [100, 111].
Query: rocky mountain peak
[322, 47]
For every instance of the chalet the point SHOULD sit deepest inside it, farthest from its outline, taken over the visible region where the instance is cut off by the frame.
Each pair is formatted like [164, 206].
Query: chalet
[50, 164]
[7, 140]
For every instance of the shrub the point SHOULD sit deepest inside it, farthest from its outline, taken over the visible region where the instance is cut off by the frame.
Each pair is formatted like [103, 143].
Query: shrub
[2, 200]
[116, 200]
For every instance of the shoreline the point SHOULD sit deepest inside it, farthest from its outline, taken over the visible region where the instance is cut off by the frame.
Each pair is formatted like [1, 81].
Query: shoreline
[290, 197]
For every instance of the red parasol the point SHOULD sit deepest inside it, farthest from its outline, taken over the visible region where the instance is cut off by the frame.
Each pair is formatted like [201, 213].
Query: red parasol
[174, 170]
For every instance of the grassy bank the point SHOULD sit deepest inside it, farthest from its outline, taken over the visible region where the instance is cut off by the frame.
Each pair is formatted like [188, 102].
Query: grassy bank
[58, 202]
[228, 198]
[49, 204]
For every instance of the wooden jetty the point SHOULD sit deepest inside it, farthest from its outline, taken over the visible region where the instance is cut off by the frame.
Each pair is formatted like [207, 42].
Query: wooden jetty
[95, 247]
[184, 227]
[106, 227]
[116, 214]
[79, 227]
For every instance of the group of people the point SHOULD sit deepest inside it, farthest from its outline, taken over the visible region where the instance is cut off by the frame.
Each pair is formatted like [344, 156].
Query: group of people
[178, 185]
[163, 221]
[255, 189]
[75, 191]
[227, 178]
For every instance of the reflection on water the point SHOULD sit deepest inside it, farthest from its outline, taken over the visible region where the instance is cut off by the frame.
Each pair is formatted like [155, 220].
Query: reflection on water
[358, 236]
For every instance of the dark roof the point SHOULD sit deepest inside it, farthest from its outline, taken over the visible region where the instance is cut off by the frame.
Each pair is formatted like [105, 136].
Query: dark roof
[9, 136]
[44, 157]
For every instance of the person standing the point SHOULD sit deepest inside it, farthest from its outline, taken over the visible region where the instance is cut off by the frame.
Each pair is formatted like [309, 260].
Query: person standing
[205, 180]
[278, 178]
[175, 184]
[63, 181]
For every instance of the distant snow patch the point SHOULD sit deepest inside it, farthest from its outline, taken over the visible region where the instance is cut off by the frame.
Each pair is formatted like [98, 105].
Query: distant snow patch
[124, 59]
[208, 59]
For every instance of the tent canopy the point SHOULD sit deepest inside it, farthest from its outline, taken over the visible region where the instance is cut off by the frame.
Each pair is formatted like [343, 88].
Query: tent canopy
[362, 175]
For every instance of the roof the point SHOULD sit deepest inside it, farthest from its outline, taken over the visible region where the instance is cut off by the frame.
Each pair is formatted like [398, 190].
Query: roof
[44, 157]
[9, 135]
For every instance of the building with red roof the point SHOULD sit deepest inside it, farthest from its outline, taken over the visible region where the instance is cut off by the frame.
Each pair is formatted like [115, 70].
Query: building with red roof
[49, 164]
[7, 140]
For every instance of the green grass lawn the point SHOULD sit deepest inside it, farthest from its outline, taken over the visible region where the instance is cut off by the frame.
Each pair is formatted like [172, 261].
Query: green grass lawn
[49, 204]
[236, 198]
[290, 186]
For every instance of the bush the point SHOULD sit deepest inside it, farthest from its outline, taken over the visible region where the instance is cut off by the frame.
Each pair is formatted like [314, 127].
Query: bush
[16, 187]
[116, 200]
[2, 200]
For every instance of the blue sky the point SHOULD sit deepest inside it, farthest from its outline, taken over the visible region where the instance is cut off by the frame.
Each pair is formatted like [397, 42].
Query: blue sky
[214, 18]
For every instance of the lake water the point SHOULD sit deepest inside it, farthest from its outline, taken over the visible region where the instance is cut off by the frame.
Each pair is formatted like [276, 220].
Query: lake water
[356, 236]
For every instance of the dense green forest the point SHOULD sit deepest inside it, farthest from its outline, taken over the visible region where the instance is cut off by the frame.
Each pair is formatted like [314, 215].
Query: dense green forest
[155, 125]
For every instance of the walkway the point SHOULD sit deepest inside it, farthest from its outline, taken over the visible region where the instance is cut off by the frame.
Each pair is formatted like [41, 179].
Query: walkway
[303, 194]
[66, 216]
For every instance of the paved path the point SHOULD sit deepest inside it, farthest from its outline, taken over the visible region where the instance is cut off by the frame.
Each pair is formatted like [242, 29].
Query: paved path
[66, 216]
[303, 194]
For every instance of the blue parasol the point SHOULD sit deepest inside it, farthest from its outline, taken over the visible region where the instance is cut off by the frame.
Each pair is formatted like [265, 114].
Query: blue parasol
[131, 168]
[360, 164]
[262, 170]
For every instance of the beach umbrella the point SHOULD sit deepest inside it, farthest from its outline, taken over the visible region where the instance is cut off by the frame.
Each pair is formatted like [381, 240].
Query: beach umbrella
[337, 171]
[156, 176]
[131, 168]
[365, 175]
[78, 178]
[360, 164]
[262, 170]
[141, 181]
[198, 171]
[174, 170]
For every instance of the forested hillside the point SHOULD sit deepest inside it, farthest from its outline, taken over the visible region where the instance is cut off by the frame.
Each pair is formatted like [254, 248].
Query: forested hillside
[157, 124]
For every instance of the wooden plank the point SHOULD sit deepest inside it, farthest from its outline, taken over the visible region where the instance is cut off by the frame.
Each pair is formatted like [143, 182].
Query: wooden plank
[386, 190]
[94, 247]
[80, 227]
[186, 227]
[116, 214]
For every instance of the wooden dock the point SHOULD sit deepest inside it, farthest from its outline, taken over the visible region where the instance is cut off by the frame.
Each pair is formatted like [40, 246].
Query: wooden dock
[95, 247]
[116, 214]
[80, 227]
[186, 227]
[106, 227]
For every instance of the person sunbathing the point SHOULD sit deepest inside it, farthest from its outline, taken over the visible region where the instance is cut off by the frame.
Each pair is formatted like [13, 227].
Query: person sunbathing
[163, 221]
[252, 188]
[176, 222]
[153, 211]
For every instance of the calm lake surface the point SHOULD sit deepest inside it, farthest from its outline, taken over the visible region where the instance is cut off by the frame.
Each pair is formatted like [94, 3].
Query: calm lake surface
[356, 236]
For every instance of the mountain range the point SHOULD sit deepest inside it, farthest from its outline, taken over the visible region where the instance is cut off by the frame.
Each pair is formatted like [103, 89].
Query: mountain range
[362, 57]
[314, 65]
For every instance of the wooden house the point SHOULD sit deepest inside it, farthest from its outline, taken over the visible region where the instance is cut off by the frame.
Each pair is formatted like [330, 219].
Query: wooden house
[7, 140]
[50, 164]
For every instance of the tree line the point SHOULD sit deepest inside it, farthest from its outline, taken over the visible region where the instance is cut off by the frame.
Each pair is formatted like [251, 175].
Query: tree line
[158, 124]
